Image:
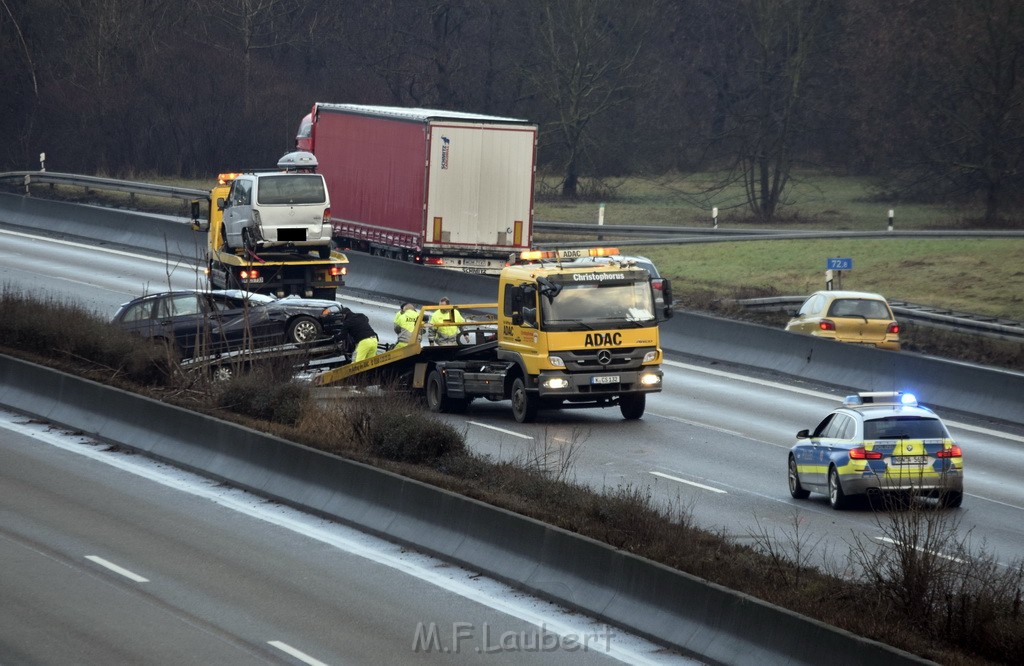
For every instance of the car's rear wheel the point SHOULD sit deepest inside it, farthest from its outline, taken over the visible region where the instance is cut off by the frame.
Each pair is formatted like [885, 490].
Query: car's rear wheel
[304, 330]
[795, 489]
[951, 499]
[836, 497]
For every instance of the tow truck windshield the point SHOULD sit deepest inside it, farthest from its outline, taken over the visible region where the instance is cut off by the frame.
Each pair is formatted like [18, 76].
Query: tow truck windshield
[593, 301]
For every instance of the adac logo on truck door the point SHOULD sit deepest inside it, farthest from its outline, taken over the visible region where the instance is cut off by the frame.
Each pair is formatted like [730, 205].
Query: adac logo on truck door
[603, 340]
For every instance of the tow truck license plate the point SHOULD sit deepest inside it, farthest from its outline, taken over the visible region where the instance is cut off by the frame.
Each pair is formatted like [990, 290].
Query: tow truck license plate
[605, 379]
[909, 460]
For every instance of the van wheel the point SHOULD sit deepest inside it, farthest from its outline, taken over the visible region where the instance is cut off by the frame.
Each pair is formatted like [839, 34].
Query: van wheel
[633, 405]
[304, 330]
[324, 252]
[524, 403]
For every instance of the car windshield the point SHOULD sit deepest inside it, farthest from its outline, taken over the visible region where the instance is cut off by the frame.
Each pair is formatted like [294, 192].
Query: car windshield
[904, 427]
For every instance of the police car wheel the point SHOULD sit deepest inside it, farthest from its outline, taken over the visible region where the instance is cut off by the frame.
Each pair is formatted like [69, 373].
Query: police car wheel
[795, 489]
[836, 497]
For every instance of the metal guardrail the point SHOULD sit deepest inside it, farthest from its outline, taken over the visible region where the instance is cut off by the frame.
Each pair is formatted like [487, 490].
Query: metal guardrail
[96, 183]
[958, 321]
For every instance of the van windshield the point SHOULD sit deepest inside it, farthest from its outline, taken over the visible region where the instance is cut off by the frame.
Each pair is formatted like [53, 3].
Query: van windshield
[291, 189]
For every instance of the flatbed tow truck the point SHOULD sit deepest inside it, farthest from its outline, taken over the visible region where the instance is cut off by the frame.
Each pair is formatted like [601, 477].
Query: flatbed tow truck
[560, 335]
[279, 273]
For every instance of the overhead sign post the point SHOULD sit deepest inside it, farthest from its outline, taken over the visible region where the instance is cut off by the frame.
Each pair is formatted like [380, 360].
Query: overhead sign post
[835, 266]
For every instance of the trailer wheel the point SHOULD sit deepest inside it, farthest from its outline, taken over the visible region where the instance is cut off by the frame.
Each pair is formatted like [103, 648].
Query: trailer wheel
[632, 405]
[304, 330]
[524, 403]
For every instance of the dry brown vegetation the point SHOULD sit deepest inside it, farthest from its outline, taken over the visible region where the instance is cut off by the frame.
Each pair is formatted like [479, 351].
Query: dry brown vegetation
[965, 610]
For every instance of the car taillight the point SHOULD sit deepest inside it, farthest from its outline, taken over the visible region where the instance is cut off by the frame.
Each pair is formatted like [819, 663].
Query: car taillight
[951, 452]
[860, 453]
[893, 328]
[827, 325]
[658, 284]
[250, 274]
[327, 215]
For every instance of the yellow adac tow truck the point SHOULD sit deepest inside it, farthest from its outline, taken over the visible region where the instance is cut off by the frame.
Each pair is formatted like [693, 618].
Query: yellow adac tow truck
[561, 335]
[280, 273]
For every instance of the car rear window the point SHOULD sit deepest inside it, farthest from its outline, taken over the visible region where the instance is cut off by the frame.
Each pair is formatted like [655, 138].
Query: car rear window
[292, 189]
[904, 427]
[858, 307]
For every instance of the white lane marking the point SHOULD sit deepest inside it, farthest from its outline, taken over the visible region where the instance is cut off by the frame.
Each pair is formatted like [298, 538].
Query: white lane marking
[96, 248]
[298, 654]
[501, 430]
[689, 483]
[625, 648]
[923, 550]
[116, 569]
[725, 431]
[828, 396]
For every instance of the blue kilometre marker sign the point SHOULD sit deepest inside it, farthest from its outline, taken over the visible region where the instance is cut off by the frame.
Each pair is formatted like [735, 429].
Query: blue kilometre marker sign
[839, 263]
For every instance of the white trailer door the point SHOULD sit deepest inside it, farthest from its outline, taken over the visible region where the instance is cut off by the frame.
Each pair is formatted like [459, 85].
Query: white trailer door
[480, 190]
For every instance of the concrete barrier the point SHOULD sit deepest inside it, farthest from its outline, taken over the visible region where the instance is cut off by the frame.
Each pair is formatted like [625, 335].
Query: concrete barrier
[665, 605]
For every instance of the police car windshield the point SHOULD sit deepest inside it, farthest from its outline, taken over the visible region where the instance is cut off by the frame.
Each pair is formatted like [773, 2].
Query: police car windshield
[904, 427]
[590, 301]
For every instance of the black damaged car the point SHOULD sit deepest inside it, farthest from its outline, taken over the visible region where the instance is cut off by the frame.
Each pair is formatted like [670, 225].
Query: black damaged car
[202, 323]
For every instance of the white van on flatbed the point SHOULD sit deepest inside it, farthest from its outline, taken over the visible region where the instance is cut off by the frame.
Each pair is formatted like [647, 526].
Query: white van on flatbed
[280, 210]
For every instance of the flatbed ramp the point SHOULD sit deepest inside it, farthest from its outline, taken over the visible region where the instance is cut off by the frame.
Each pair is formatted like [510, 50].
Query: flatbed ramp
[403, 361]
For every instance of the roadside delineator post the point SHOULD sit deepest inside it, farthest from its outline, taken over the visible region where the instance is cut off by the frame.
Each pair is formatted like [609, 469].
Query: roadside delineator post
[891, 211]
[714, 217]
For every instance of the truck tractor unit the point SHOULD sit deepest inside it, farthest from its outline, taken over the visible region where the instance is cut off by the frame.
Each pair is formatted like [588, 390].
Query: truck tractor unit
[276, 269]
[561, 335]
[440, 188]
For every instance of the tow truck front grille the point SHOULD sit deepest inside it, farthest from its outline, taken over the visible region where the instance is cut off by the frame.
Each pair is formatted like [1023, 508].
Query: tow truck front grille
[591, 359]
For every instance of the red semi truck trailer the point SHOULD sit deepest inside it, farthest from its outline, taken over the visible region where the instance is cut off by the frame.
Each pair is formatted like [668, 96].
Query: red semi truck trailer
[441, 188]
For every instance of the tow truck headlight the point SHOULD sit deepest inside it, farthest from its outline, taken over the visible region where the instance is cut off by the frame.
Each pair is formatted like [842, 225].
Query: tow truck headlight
[556, 361]
[650, 356]
[556, 383]
[649, 380]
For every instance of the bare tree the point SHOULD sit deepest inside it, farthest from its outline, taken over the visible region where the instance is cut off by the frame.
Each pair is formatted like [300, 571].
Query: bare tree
[585, 67]
[766, 110]
[942, 105]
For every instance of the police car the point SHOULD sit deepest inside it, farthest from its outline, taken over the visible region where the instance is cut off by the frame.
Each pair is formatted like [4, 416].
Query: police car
[875, 444]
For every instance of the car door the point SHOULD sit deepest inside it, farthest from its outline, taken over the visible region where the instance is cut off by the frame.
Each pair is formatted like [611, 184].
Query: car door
[812, 454]
[238, 210]
[238, 323]
[806, 319]
[182, 317]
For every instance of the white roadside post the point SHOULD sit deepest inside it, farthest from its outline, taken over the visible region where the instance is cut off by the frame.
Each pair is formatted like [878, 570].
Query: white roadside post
[891, 215]
[714, 217]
